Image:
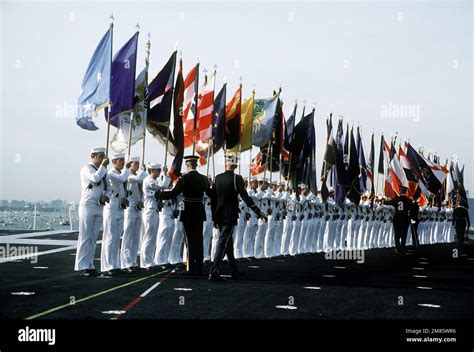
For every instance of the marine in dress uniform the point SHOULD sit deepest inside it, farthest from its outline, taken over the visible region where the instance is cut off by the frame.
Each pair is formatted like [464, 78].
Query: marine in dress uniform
[401, 220]
[90, 210]
[225, 205]
[461, 222]
[192, 185]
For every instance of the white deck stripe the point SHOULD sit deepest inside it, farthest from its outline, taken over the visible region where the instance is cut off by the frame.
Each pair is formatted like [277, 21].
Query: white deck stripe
[37, 234]
[39, 242]
[150, 289]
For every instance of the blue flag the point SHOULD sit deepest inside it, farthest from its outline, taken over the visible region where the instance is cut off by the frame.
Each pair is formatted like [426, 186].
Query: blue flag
[95, 88]
[263, 119]
[122, 84]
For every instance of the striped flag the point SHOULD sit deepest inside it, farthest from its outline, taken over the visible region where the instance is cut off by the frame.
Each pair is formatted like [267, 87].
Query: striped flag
[189, 105]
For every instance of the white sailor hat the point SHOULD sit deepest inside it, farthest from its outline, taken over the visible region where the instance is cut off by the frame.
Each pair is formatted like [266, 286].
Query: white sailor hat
[302, 186]
[98, 150]
[331, 189]
[118, 156]
[366, 194]
[232, 159]
[254, 178]
[154, 166]
[134, 158]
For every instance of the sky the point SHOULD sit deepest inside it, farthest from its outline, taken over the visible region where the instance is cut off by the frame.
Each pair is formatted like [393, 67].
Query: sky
[362, 60]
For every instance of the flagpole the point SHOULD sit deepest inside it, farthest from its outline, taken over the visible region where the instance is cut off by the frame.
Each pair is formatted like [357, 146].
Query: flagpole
[213, 162]
[250, 163]
[130, 134]
[196, 111]
[250, 151]
[268, 149]
[208, 159]
[145, 112]
[110, 83]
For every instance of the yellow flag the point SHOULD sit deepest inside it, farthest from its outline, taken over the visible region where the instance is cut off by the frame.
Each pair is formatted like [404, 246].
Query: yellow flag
[246, 124]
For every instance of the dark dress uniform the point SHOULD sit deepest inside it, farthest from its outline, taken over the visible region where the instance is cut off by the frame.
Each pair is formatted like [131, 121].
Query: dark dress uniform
[401, 220]
[225, 212]
[192, 185]
[461, 223]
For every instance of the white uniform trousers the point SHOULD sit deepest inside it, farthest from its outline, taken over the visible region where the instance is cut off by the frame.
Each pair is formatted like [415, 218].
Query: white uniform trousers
[113, 229]
[164, 239]
[131, 238]
[148, 240]
[90, 222]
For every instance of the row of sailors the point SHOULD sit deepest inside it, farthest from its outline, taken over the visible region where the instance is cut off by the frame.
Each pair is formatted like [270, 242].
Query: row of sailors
[122, 199]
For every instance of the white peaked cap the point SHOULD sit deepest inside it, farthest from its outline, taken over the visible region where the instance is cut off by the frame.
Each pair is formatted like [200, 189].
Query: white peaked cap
[98, 150]
[134, 158]
[118, 156]
[232, 159]
[154, 166]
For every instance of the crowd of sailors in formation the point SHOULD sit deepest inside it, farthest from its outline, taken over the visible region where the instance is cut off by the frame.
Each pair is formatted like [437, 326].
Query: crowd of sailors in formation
[140, 231]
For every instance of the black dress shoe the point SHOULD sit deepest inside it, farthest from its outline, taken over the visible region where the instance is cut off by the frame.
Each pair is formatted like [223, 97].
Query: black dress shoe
[107, 273]
[85, 273]
[237, 274]
[129, 270]
[217, 278]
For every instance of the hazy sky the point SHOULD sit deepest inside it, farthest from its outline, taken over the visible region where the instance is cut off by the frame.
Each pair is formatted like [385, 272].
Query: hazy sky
[363, 60]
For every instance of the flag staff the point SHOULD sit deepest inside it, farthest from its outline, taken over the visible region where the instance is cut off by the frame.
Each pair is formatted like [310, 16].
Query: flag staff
[240, 126]
[132, 113]
[145, 112]
[110, 84]
[169, 122]
[196, 112]
[250, 150]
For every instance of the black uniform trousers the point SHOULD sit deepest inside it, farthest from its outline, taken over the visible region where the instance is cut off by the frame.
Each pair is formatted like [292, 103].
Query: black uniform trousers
[400, 227]
[224, 246]
[414, 234]
[194, 242]
[460, 232]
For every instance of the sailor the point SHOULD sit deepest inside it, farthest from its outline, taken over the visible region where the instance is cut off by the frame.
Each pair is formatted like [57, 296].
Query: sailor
[132, 216]
[192, 185]
[262, 225]
[91, 205]
[224, 194]
[152, 184]
[165, 231]
[113, 215]
[252, 223]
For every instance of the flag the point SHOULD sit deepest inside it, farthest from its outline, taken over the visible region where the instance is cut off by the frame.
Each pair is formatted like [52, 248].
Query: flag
[205, 105]
[370, 167]
[422, 170]
[120, 140]
[397, 173]
[160, 98]
[405, 164]
[246, 123]
[122, 83]
[95, 87]
[218, 120]
[190, 105]
[259, 163]
[232, 124]
[364, 172]
[178, 134]
[353, 171]
[263, 118]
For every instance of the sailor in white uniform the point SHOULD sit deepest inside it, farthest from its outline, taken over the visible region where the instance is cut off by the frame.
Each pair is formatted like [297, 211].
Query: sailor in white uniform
[248, 242]
[90, 210]
[113, 214]
[151, 184]
[166, 227]
[132, 216]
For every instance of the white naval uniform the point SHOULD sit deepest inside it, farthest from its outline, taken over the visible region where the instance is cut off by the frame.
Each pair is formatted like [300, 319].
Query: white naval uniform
[175, 256]
[280, 223]
[207, 233]
[165, 233]
[259, 249]
[113, 220]
[288, 224]
[150, 219]
[269, 241]
[248, 243]
[239, 230]
[132, 221]
[90, 215]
